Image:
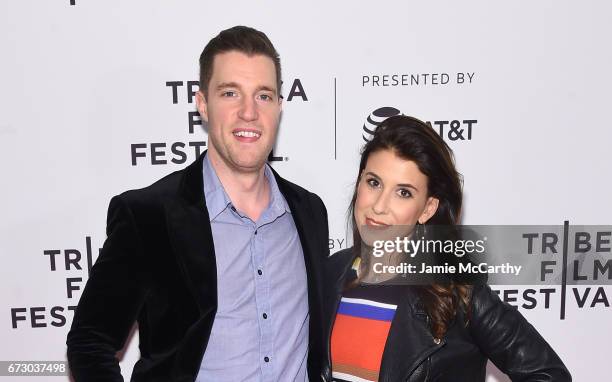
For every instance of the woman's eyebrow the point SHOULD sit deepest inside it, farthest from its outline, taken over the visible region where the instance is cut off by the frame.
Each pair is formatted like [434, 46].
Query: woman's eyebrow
[408, 185]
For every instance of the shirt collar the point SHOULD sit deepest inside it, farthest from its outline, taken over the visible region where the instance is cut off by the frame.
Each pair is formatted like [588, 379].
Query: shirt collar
[278, 204]
[217, 200]
[214, 194]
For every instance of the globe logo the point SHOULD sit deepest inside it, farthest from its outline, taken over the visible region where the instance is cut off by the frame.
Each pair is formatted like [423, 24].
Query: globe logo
[375, 118]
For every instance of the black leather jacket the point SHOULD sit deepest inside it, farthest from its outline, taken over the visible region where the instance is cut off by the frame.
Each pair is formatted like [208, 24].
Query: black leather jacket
[496, 331]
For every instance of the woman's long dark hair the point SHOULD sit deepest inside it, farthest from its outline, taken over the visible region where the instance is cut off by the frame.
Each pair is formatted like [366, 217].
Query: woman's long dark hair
[414, 140]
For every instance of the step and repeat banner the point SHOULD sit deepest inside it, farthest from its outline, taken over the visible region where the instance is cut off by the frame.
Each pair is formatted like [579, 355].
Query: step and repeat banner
[98, 97]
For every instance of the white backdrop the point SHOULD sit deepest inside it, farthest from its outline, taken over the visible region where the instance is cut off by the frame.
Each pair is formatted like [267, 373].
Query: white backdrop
[83, 85]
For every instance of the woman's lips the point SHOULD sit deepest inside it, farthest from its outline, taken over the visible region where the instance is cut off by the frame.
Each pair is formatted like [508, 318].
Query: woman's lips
[375, 223]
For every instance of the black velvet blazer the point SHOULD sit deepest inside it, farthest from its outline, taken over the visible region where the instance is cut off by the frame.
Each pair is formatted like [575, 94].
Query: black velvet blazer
[157, 267]
[495, 331]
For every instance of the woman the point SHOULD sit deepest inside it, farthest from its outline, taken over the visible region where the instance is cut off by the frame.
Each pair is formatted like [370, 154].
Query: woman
[380, 330]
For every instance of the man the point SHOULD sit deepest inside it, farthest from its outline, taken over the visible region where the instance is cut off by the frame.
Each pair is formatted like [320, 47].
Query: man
[220, 263]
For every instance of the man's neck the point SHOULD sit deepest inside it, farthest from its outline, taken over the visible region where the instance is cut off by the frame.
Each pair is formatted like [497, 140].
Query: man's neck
[249, 191]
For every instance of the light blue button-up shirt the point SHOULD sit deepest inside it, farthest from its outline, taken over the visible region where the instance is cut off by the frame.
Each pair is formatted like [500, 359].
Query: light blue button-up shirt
[260, 331]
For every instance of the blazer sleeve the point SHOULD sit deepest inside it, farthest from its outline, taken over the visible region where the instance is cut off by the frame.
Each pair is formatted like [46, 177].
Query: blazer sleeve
[111, 300]
[324, 224]
[511, 342]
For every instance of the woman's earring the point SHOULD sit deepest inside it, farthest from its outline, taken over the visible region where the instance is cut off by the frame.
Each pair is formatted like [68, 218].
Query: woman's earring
[421, 230]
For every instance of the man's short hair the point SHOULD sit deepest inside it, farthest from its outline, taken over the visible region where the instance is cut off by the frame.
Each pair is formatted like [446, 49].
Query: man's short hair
[242, 39]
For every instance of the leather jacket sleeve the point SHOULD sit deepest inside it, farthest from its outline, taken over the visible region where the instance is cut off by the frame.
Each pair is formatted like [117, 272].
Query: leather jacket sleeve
[110, 302]
[510, 342]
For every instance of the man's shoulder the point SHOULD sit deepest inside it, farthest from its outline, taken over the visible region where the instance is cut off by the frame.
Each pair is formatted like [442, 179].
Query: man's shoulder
[156, 193]
[169, 184]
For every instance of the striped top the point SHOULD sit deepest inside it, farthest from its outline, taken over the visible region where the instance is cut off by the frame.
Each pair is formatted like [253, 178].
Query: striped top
[360, 332]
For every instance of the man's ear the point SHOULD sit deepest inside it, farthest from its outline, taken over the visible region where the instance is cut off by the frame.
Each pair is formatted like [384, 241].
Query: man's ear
[430, 209]
[202, 105]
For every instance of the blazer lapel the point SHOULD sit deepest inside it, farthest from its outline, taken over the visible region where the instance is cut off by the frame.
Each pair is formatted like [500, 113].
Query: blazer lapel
[308, 233]
[191, 237]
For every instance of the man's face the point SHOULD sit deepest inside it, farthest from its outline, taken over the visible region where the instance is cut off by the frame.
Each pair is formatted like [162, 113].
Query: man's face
[242, 110]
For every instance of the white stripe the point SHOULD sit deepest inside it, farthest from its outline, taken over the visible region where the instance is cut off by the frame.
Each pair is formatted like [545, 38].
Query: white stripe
[369, 302]
[349, 377]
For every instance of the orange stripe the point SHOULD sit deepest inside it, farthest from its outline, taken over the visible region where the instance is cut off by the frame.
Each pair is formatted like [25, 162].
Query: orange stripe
[359, 341]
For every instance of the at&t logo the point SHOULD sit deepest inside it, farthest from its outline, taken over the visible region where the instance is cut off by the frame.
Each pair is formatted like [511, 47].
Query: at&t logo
[453, 130]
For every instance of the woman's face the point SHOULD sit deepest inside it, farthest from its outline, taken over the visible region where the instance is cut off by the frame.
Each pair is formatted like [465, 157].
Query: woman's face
[392, 192]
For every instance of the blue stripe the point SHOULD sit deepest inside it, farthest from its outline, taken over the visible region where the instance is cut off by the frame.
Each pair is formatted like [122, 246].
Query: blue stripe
[366, 311]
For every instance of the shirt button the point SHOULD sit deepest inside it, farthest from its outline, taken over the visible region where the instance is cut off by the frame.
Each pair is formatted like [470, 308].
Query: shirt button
[255, 232]
[259, 272]
[265, 316]
[267, 359]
